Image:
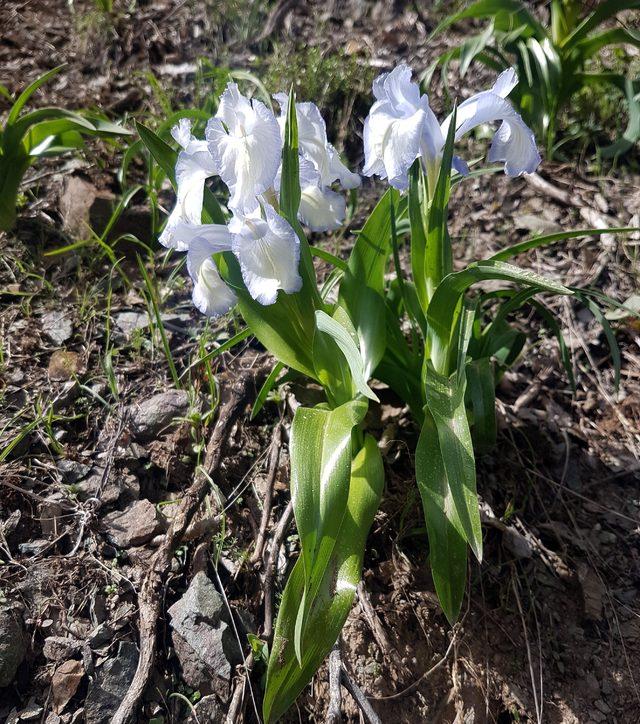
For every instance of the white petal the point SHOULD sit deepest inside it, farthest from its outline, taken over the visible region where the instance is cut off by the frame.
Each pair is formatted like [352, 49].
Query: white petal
[244, 141]
[193, 166]
[514, 142]
[190, 178]
[321, 209]
[505, 83]
[217, 236]
[181, 132]
[392, 144]
[210, 294]
[314, 146]
[269, 254]
[394, 130]
[339, 172]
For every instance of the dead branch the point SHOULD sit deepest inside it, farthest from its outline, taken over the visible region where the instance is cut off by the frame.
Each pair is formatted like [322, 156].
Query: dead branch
[274, 460]
[235, 395]
[278, 537]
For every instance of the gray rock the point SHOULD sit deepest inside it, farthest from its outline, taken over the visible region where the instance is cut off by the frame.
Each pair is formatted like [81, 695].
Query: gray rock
[57, 326]
[207, 710]
[134, 525]
[60, 648]
[128, 322]
[13, 643]
[110, 684]
[202, 637]
[72, 471]
[152, 416]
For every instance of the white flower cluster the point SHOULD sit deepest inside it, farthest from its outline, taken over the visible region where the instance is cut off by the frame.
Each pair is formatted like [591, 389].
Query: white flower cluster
[402, 127]
[244, 147]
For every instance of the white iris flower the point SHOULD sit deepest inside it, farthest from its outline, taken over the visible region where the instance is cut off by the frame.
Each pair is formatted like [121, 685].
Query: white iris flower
[401, 127]
[245, 144]
[268, 250]
[193, 167]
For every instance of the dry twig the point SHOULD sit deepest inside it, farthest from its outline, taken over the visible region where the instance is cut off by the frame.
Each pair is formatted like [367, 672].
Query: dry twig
[235, 395]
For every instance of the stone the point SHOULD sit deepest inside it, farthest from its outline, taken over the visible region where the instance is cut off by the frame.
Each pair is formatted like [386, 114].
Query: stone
[72, 471]
[154, 415]
[207, 710]
[51, 511]
[13, 642]
[60, 648]
[57, 326]
[134, 525]
[63, 365]
[202, 636]
[65, 682]
[110, 684]
[129, 322]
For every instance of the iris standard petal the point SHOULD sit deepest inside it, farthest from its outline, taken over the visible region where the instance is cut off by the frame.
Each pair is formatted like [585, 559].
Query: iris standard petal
[269, 253]
[392, 144]
[244, 141]
[210, 294]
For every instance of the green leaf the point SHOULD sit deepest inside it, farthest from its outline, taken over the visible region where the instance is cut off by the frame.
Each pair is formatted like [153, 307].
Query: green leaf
[539, 241]
[445, 402]
[320, 453]
[290, 178]
[366, 311]
[28, 92]
[604, 10]
[608, 332]
[369, 257]
[481, 396]
[285, 677]
[342, 337]
[445, 306]
[447, 545]
[438, 259]
[516, 12]
[417, 201]
[266, 388]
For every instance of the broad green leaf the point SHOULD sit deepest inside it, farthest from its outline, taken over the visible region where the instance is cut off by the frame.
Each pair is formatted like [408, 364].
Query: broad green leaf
[481, 397]
[349, 349]
[445, 402]
[447, 545]
[445, 305]
[366, 310]
[320, 453]
[285, 677]
[369, 257]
